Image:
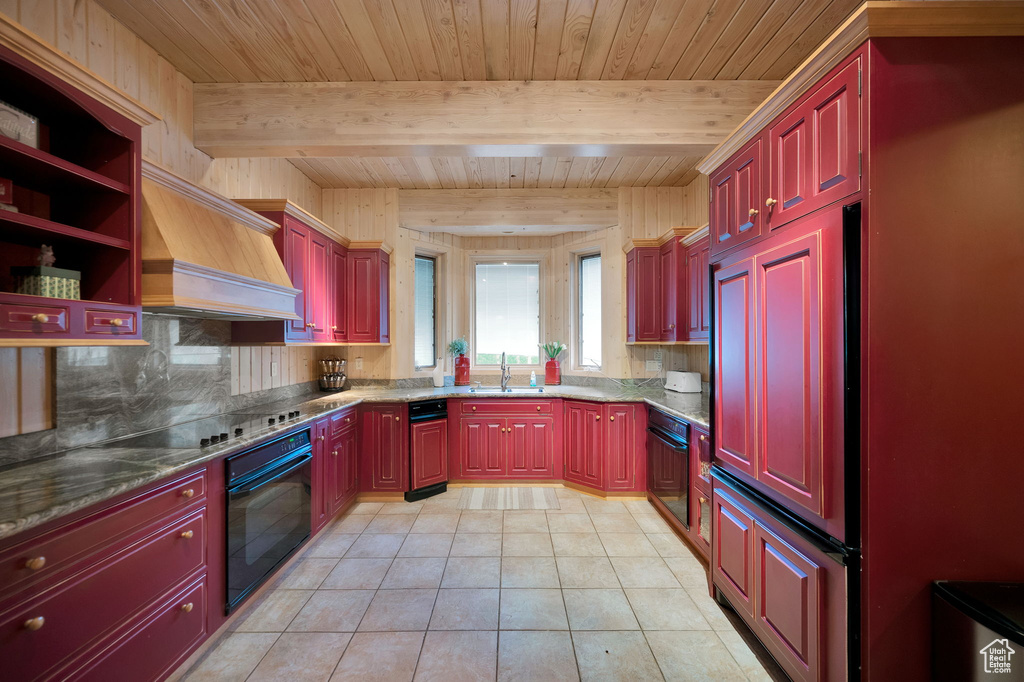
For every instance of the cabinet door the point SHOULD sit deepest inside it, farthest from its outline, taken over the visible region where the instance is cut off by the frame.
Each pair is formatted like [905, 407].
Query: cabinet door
[339, 287]
[701, 472]
[531, 447]
[789, 604]
[736, 444]
[799, 367]
[736, 192]
[631, 302]
[583, 453]
[385, 449]
[384, 298]
[705, 293]
[482, 445]
[648, 295]
[428, 442]
[698, 302]
[673, 291]
[296, 260]
[623, 465]
[319, 299]
[732, 553]
[321, 483]
[815, 149]
[363, 296]
[700, 528]
[348, 453]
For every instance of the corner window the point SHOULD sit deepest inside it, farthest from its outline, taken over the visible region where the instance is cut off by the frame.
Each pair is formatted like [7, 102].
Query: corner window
[425, 324]
[507, 313]
[589, 323]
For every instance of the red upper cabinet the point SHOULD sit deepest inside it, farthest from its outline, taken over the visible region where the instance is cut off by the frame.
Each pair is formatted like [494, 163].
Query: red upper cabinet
[339, 285]
[698, 309]
[368, 296]
[815, 149]
[672, 274]
[625, 466]
[384, 447]
[320, 292]
[737, 191]
[292, 242]
[643, 293]
[735, 403]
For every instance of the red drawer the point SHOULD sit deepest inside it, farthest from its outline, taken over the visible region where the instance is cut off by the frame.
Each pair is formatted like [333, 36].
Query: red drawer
[61, 548]
[509, 406]
[79, 611]
[110, 322]
[340, 421]
[34, 319]
[155, 644]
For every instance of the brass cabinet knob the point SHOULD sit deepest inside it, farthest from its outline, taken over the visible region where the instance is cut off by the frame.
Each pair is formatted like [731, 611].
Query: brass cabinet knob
[188, 492]
[116, 322]
[41, 319]
[503, 430]
[769, 202]
[671, 326]
[702, 500]
[35, 563]
[187, 534]
[612, 418]
[598, 417]
[311, 324]
[397, 418]
[538, 408]
[752, 212]
[34, 624]
[334, 327]
[474, 408]
[334, 452]
[320, 438]
[187, 608]
[348, 419]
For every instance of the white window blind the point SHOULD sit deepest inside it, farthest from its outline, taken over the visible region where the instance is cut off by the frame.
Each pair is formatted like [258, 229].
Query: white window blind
[425, 334]
[507, 313]
[590, 311]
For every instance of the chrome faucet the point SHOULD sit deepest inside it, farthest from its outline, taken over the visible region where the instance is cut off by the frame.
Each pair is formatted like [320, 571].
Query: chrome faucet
[506, 373]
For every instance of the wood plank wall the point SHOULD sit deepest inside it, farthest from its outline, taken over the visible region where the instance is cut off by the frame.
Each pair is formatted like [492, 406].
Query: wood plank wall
[252, 367]
[26, 382]
[89, 34]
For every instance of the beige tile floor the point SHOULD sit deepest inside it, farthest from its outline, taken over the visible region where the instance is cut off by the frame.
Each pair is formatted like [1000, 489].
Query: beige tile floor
[596, 590]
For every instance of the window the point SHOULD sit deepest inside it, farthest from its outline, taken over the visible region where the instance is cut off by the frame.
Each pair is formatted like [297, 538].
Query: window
[589, 350]
[507, 313]
[425, 334]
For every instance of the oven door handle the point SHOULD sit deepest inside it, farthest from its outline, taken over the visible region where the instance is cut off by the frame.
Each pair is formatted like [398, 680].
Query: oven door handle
[288, 467]
[669, 440]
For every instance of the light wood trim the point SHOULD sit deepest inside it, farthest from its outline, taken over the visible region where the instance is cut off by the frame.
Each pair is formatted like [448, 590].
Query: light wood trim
[297, 212]
[696, 235]
[370, 245]
[875, 19]
[212, 200]
[470, 118]
[33, 48]
[63, 343]
[174, 285]
[683, 233]
[564, 209]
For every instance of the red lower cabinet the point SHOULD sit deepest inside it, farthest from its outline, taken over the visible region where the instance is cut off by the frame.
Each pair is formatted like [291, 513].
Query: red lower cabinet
[531, 446]
[480, 445]
[384, 447]
[791, 594]
[583, 444]
[428, 443]
[319, 499]
[340, 466]
[624, 429]
[505, 439]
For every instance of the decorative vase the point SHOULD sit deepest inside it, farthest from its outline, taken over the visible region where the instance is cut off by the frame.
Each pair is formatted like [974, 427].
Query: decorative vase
[462, 370]
[552, 373]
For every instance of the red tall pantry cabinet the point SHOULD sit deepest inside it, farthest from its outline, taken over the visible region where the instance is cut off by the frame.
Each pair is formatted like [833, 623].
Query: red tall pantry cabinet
[919, 135]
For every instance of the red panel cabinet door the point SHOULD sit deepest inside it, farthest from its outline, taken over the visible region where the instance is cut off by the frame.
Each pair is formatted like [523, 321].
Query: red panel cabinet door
[700, 521]
[348, 454]
[736, 444]
[789, 605]
[732, 552]
[799, 367]
[340, 467]
[482, 447]
[296, 250]
[737, 189]
[320, 294]
[624, 465]
[428, 443]
[384, 298]
[815, 149]
[339, 290]
[643, 292]
[701, 473]
[531, 447]
[321, 488]
[363, 296]
[672, 264]
[584, 449]
[698, 312]
[385, 454]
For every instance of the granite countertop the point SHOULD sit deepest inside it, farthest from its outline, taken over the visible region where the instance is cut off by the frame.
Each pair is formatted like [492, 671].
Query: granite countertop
[45, 489]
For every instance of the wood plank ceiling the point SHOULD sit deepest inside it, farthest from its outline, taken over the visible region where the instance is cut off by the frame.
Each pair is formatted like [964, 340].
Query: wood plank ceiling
[377, 40]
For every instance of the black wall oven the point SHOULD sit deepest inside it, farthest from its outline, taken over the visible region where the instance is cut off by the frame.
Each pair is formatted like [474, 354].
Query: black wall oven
[268, 510]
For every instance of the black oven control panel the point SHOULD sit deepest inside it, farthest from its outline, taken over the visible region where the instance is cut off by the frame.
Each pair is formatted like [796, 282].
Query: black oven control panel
[245, 463]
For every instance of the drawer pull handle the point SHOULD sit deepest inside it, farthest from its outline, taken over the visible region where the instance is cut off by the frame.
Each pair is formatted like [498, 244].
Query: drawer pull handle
[34, 624]
[538, 408]
[474, 408]
[41, 319]
[35, 563]
[187, 534]
[188, 492]
[116, 322]
[769, 202]
[187, 608]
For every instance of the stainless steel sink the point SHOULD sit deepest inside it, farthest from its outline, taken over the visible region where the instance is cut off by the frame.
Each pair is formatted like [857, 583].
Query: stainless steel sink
[510, 389]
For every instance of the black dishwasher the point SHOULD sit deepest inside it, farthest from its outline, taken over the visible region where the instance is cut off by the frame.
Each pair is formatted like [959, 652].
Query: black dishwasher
[428, 449]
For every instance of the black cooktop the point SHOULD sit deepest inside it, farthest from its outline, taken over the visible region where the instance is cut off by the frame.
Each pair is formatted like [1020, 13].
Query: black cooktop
[212, 430]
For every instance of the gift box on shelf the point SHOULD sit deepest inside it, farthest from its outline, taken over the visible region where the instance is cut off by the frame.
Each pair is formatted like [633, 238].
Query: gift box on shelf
[47, 281]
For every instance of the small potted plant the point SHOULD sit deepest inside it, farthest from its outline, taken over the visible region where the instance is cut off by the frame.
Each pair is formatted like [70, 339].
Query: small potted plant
[457, 349]
[552, 369]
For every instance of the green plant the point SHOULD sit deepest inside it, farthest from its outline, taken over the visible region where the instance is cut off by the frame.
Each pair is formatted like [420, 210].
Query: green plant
[458, 347]
[553, 349]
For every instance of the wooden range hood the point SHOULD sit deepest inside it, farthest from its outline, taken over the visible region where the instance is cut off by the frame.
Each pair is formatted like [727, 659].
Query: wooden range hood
[203, 255]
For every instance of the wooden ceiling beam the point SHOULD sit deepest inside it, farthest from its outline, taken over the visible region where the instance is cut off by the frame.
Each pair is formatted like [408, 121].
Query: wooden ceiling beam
[495, 211]
[471, 118]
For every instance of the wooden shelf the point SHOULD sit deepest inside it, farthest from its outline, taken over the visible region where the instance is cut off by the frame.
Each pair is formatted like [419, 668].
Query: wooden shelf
[43, 172]
[26, 229]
